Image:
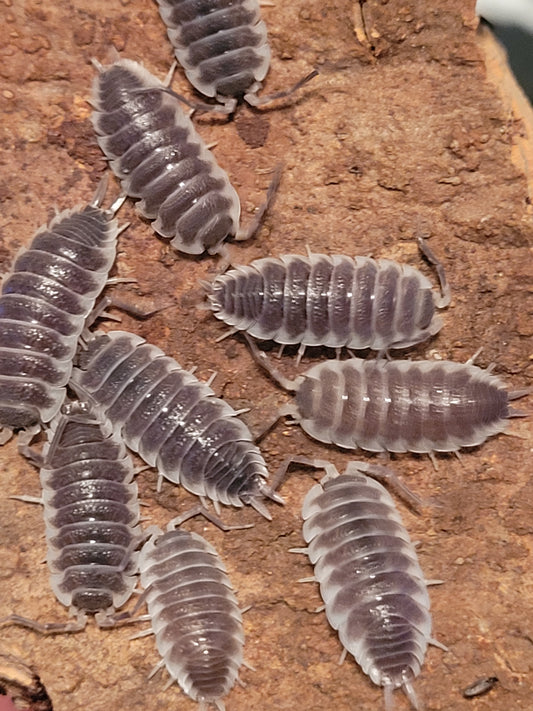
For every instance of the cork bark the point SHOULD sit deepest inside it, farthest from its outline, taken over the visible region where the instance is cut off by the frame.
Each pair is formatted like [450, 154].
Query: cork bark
[409, 129]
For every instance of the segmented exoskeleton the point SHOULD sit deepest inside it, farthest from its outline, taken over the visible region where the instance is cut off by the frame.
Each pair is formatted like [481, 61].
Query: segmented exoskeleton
[329, 301]
[397, 406]
[222, 46]
[172, 420]
[45, 300]
[156, 153]
[373, 588]
[91, 513]
[194, 614]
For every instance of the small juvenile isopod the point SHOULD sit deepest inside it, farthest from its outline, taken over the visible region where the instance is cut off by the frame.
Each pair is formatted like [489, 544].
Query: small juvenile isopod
[480, 687]
[222, 46]
[156, 153]
[172, 420]
[373, 588]
[91, 513]
[45, 300]
[194, 614]
[329, 301]
[397, 406]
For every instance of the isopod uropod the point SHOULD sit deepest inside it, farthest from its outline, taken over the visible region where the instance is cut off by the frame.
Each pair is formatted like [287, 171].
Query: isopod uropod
[397, 406]
[194, 614]
[156, 153]
[44, 304]
[331, 301]
[91, 513]
[373, 588]
[172, 420]
[222, 46]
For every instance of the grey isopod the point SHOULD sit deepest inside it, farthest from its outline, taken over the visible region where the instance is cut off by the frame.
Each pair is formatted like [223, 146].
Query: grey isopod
[194, 614]
[331, 301]
[91, 513]
[44, 304]
[172, 420]
[222, 46]
[156, 153]
[397, 406]
[480, 687]
[373, 588]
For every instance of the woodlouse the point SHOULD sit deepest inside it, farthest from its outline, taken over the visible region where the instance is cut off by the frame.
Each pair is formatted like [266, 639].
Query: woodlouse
[373, 588]
[397, 406]
[331, 301]
[222, 46]
[480, 687]
[156, 153]
[91, 513]
[45, 301]
[172, 420]
[194, 614]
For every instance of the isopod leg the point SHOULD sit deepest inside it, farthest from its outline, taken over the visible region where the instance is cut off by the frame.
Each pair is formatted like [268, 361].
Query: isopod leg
[157, 667]
[25, 439]
[5, 435]
[435, 642]
[228, 104]
[376, 471]
[98, 311]
[201, 510]
[473, 358]
[99, 195]
[263, 361]
[286, 410]
[168, 79]
[300, 354]
[28, 499]
[120, 619]
[194, 105]
[446, 294]
[254, 100]
[76, 625]
[226, 334]
[384, 474]
[101, 189]
[128, 307]
[244, 234]
[281, 473]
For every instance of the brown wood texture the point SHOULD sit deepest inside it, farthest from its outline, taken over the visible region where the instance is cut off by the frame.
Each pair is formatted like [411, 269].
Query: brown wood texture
[402, 133]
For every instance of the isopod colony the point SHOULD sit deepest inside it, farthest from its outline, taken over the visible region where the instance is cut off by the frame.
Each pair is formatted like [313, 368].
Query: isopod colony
[95, 394]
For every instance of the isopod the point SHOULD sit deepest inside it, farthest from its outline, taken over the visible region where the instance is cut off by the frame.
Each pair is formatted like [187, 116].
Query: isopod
[331, 301]
[222, 46]
[91, 514]
[44, 304]
[373, 588]
[156, 153]
[172, 420]
[480, 687]
[397, 406]
[194, 614]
